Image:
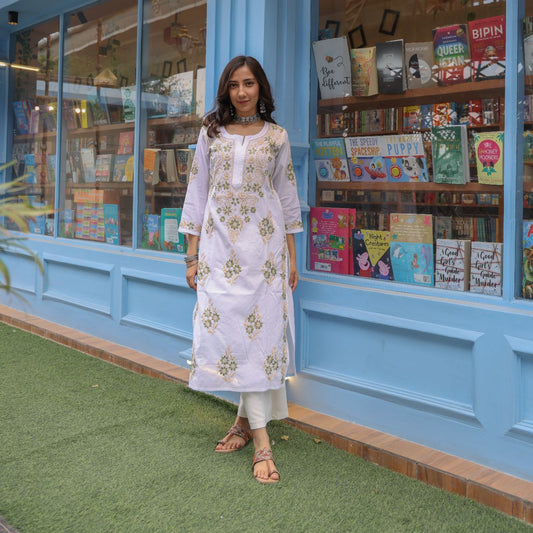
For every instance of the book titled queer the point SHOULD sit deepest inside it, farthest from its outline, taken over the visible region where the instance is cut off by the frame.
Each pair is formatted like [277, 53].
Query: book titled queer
[452, 55]
[330, 238]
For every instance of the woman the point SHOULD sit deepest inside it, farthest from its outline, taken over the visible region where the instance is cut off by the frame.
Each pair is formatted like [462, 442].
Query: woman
[240, 215]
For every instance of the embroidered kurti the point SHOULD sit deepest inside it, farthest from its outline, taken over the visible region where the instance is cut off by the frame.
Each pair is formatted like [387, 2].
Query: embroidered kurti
[242, 201]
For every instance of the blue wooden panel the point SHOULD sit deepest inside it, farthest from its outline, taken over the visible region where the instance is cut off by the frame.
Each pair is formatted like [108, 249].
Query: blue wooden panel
[78, 282]
[22, 271]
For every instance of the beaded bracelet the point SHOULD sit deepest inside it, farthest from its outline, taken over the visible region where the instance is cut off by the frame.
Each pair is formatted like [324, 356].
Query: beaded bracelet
[190, 258]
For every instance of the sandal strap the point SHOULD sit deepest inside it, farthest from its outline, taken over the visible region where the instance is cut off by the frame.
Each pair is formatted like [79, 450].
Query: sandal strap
[239, 431]
[264, 454]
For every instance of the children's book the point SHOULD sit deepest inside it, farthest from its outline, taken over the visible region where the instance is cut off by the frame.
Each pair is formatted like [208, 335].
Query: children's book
[171, 239]
[88, 163]
[22, 117]
[51, 167]
[333, 67]
[527, 260]
[180, 88]
[487, 47]
[364, 71]
[330, 239]
[125, 143]
[104, 167]
[450, 154]
[452, 55]
[29, 168]
[444, 114]
[489, 157]
[412, 118]
[111, 223]
[184, 157]
[38, 223]
[76, 166]
[486, 268]
[119, 168]
[390, 66]
[365, 159]
[475, 113]
[419, 65]
[150, 236]
[41, 168]
[128, 103]
[154, 98]
[411, 248]
[151, 165]
[452, 264]
[443, 227]
[98, 107]
[371, 254]
[330, 160]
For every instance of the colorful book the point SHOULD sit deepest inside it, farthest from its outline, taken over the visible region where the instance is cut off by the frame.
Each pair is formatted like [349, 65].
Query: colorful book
[119, 168]
[444, 114]
[452, 264]
[154, 98]
[452, 55]
[443, 227]
[29, 168]
[527, 259]
[125, 142]
[364, 71]
[450, 154]
[365, 159]
[104, 167]
[38, 223]
[330, 239]
[51, 167]
[486, 268]
[150, 235]
[390, 67]
[151, 165]
[487, 47]
[371, 254]
[88, 163]
[412, 118]
[330, 160]
[419, 64]
[22, 118]
[333, 67]
[411, 248]
[66, 227]
[180, 89]
[489, 157]
[171, 239]
[184, 157]
[41, 168]
[111, 223]
[99, 111]
[128, 103]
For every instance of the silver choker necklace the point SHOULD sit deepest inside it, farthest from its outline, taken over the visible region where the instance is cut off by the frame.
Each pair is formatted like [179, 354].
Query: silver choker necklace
[246, 120]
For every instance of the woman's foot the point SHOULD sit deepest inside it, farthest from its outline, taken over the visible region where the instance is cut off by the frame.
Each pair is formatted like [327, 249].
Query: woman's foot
[236, 438]
[263, 466]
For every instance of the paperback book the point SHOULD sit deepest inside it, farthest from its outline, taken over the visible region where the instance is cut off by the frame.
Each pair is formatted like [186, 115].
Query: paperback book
[119, 168]
[180, 89]
[452, 55]
[88, 163]
[450, 154]
[371, 254]
[333, 67]
[104, 167]
[184, 158]
[128, 103]
[125, 143]
[489, 157]
[150, 236]
[487, 47]
[420, 63]
[452, 264]
[111, 223]
[486, 268]
[390, 67]
[364, 71]
[171, 239]
[330, 160]
[151, 165]
[168, 171]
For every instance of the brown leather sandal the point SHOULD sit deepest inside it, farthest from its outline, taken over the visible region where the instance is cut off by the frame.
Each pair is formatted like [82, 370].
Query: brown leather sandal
[238, 431]
[261, 455]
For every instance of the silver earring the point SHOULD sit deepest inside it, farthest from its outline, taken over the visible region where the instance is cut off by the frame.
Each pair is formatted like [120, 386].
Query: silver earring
[262, 108]
[232, 111]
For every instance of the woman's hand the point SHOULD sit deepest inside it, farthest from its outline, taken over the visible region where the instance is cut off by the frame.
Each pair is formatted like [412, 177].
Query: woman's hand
[190, 275]
[293, 270]
[293, 276]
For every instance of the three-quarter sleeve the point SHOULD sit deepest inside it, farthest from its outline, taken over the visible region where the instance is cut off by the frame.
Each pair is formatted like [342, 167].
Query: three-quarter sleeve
[192, 215]
[284, 182]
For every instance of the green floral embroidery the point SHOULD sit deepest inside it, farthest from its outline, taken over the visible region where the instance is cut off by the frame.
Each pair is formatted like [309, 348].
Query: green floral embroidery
[203, 270]
[210, 318]
[209, 225]
[235, 225]
[291, 176]
[253, 324]
[271, 364]
[227, 365]
[293, 226]
[191, 226]
[193, 365]
[231, 268]
[269, 269]
[266, 228]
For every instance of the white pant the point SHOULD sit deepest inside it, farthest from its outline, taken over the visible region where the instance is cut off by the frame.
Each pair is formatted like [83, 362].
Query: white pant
[262, 407]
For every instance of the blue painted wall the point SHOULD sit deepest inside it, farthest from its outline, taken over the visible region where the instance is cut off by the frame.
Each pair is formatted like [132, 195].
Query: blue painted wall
[450, 371]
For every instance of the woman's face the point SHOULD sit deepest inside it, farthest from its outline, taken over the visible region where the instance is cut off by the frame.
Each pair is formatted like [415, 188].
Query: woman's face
[244, 91]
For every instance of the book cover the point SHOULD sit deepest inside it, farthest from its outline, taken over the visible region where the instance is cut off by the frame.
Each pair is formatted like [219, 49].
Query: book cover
[151, 165]
[66, 226]
[76, 166]
[452, 55]
[450, 154]
[41, 168]
[168, 170]
[330, 159]
[171, 239]
[364, 71]
[184, 157]
[125, 142]
[371, 254]
[180, 88]
[22, 120]
[365, 159]
[411, 248]
[154, 98]
[29, 168]
[390, 67]
[88, 163]
[475, 113]
[419, 64]
[51, 167]
[489, 157]
[99, 111]
[330, 239]
[200, 92]
[104, 167]
[443, 227]
[444, 114]
[486, 268]
[111, 223]
[119, 168]
[487, 47]
[426, 110]
[452, 264]
[35, 120]
[85, 115]
[128, 103]
[412, 118]
[150, 235]
[333, 67]
[38, 223]
[527, 259]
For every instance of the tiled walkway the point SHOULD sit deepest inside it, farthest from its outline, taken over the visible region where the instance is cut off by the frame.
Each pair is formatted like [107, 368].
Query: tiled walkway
[506, 493]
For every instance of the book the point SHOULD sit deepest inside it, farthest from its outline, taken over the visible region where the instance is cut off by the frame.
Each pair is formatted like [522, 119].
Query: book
[85, 115]
[452, 55]
[419, 65]
[371, 254]
[390, 67]
[444, 114]
[104, 167]
[200, 92]
[527, 259]
[528, 44]
[452, 264]
[184, 158]
[364, 71]
[475, 113]
[489, 157]
[151, 165]
[51, 167]
[125, 142]
[171, 239]
[154, 98]
[487, 47]
[330, 159]
[29, 168]
[411, 248]
[150, 235]
[66, 225]
[333, 67]
[22, 118]
[412, 118]
[365, 159]
[443, 228]
[88, 163]
[486, 268]
[180, 89]
[38, 223]
[128, 103]
[450, 154]
[76, 166]
[41, 168]
[99, 112]
[168, 171]
[330, 239]
[119, 167]
[111, 223]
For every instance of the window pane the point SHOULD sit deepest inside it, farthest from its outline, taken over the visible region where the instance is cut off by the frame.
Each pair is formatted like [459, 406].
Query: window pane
[98, 112]
[410, 135]
[34, 77]
[173, 87]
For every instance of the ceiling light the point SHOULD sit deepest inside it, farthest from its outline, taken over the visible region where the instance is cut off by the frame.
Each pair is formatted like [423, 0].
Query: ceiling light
[13, 17]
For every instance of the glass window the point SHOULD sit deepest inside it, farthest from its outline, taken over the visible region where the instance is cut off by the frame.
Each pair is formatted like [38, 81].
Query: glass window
[409, 143]
[34, 74]
[173, 88]
[96, 201]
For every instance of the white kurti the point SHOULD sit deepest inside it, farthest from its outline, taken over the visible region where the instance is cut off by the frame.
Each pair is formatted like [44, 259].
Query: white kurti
[242, 200]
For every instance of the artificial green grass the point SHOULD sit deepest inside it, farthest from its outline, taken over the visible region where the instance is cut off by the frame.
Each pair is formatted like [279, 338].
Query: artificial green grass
[89, 447]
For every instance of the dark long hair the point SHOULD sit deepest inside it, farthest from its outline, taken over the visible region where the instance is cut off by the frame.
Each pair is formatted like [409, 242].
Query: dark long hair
[220, 115]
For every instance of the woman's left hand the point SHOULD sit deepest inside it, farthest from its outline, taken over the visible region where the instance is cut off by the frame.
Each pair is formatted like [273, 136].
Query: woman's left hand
[293, 277]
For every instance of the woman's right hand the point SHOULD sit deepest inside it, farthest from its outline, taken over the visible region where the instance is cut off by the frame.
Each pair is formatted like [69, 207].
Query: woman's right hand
[190, 275]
